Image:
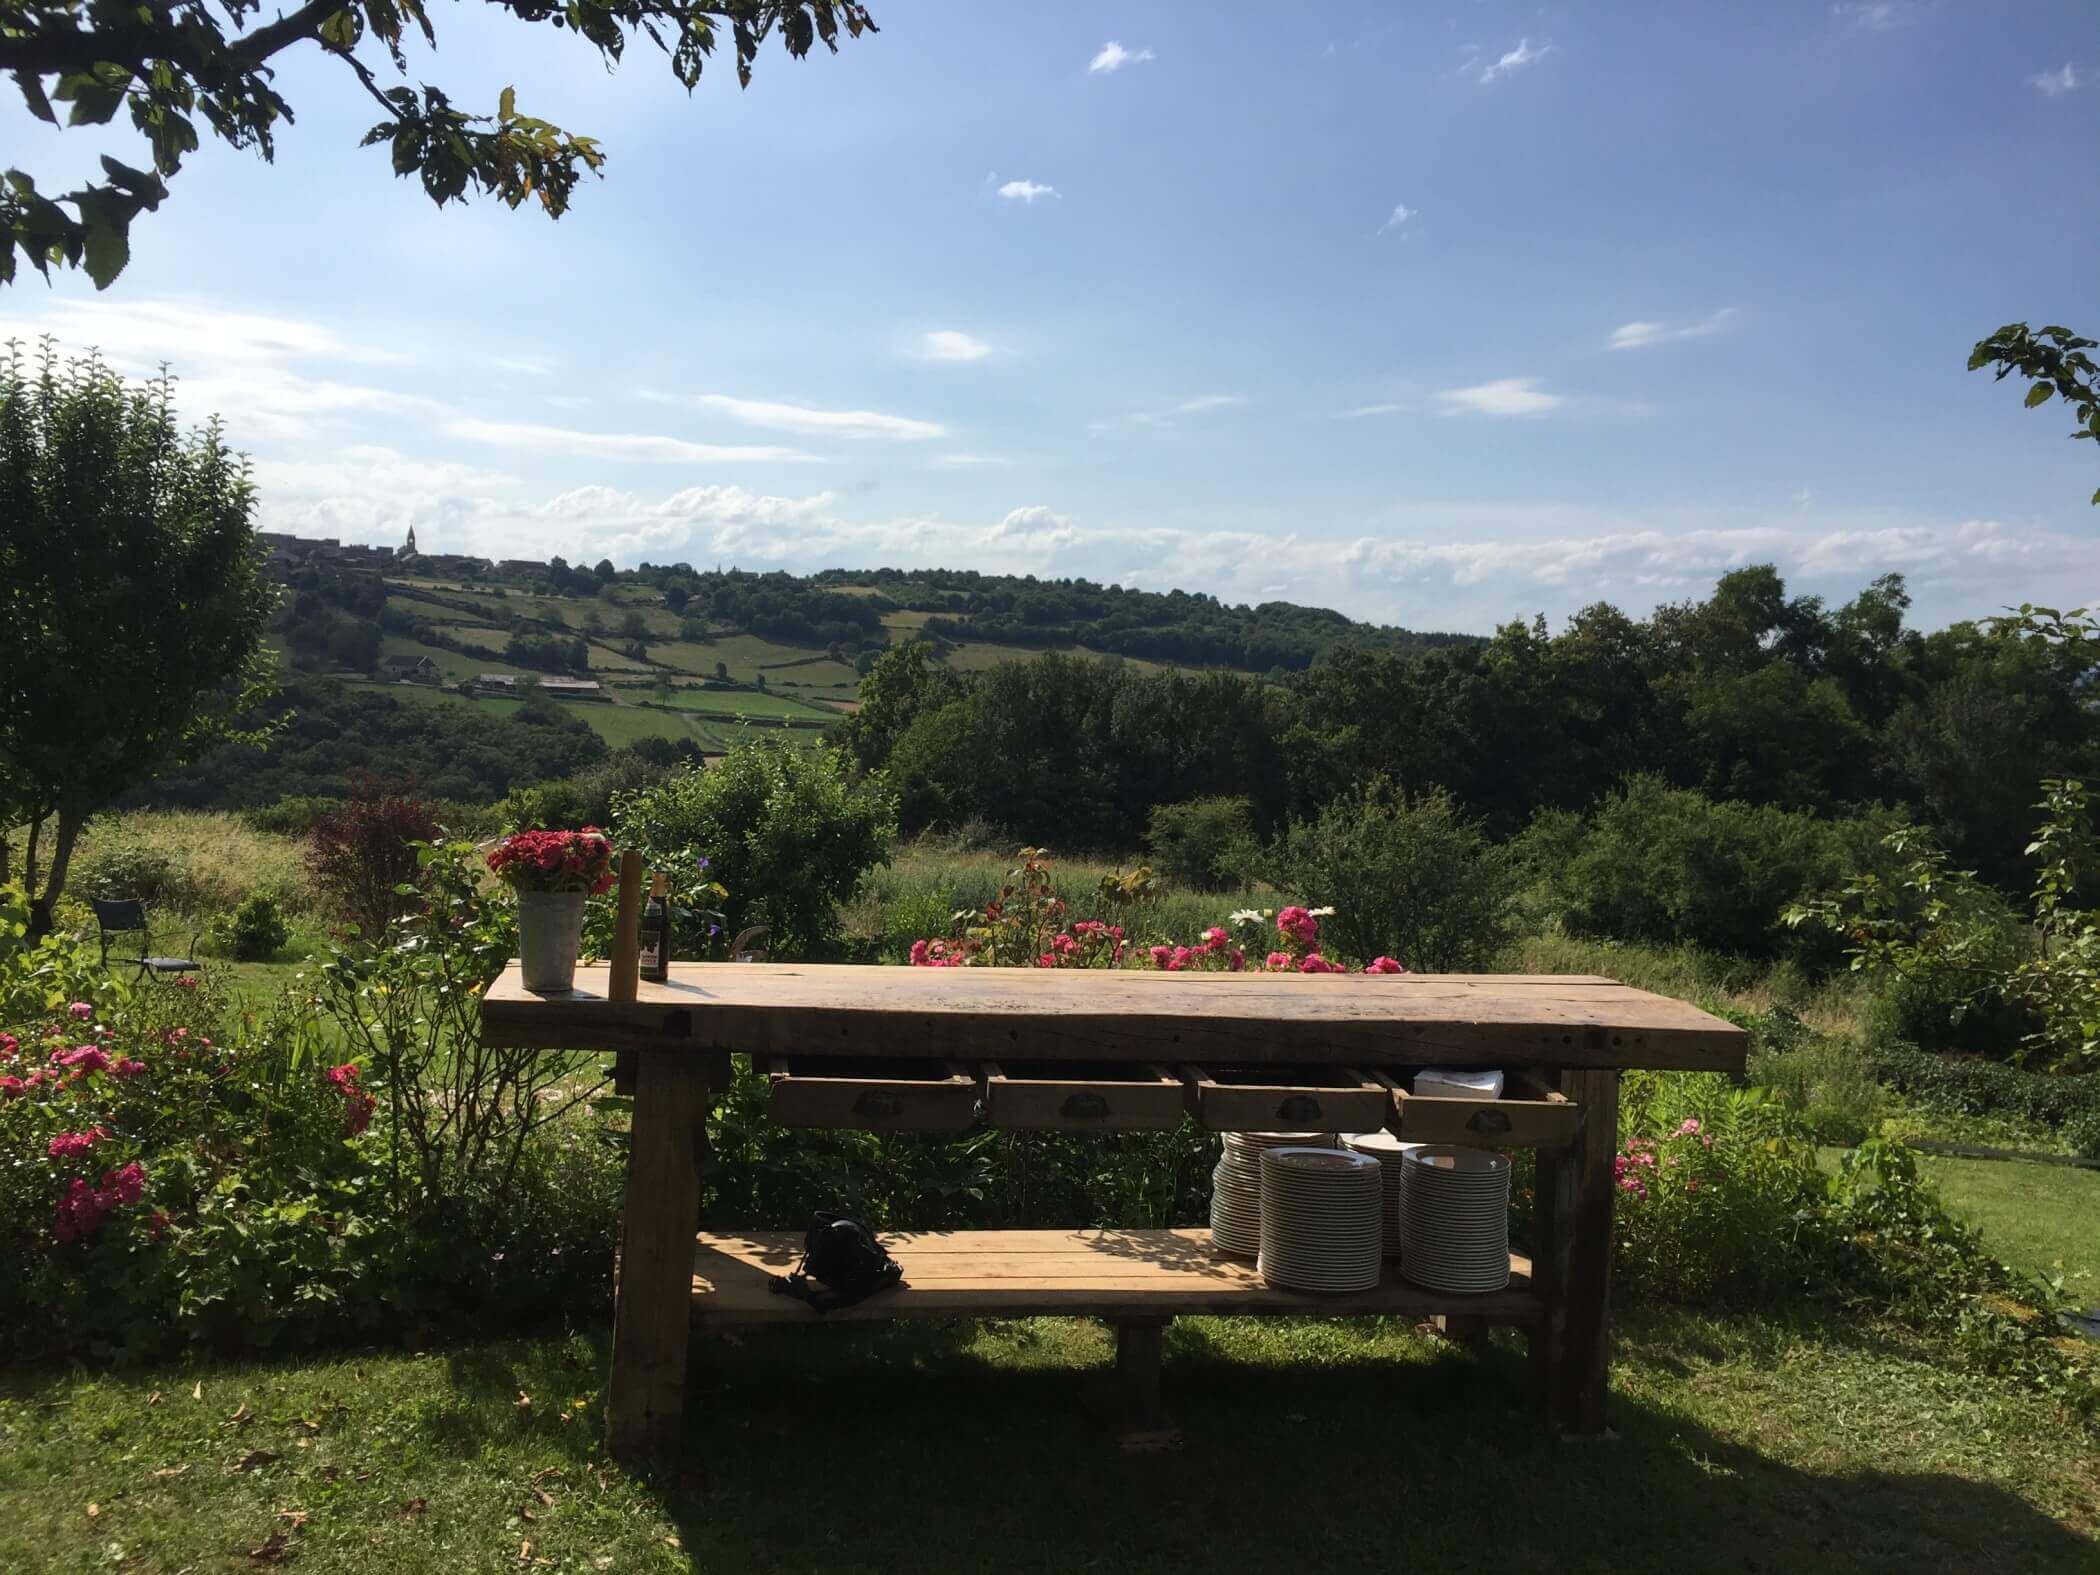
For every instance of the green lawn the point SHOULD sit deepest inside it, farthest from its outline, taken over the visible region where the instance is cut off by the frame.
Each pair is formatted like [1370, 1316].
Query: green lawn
[1315, 1445]
[2040, 1218]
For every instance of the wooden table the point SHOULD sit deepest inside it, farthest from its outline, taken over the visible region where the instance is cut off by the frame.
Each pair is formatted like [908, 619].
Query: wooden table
[1563, 1040]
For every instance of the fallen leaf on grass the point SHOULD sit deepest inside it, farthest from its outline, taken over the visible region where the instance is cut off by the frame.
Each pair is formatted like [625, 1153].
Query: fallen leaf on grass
[256, 1459]
[295, 1518]
[524, 1514]
[275, 1551]
[153, 1398]
[198, 1392]
[94, 1510]
[172, 1471]
[331, 1473]
[525, 1554]
[413, 1508]
[306, 1424]
[240, 1418]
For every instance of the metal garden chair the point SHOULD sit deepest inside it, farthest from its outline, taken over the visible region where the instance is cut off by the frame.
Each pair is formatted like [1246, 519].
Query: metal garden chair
[123, 923]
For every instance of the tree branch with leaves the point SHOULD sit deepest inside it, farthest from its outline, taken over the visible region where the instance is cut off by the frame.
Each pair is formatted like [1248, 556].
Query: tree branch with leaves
[169, 63]
[2055, 362]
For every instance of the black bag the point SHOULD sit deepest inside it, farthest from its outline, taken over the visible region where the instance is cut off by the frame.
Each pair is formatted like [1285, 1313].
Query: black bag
[845, 1257]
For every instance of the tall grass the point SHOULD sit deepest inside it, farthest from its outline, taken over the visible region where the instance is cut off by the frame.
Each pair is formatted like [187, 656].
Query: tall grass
[190, 862]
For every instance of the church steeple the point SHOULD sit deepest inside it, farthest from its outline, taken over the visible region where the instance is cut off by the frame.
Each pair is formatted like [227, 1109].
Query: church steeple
[409, 551]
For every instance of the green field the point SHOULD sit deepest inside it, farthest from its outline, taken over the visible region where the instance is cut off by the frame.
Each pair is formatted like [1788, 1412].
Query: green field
[618, 725]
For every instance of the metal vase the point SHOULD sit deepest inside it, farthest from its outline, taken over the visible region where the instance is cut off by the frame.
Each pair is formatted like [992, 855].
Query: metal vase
[550, 928]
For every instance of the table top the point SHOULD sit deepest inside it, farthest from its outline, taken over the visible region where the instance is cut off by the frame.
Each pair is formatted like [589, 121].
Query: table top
[1226, 1019]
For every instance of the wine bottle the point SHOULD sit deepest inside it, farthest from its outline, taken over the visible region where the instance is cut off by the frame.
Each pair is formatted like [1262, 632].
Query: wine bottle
[656, 932]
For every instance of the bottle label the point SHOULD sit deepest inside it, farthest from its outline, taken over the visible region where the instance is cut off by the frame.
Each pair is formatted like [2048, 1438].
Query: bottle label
[651, 952]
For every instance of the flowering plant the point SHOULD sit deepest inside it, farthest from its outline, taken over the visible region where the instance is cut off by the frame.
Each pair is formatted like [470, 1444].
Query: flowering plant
[554, 860]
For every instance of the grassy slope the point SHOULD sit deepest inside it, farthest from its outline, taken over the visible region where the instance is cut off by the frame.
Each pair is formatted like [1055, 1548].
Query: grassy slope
[1314, 1445]
[616, 724]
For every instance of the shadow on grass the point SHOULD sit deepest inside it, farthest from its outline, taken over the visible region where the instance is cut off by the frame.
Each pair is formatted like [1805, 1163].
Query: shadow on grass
[903, 1447]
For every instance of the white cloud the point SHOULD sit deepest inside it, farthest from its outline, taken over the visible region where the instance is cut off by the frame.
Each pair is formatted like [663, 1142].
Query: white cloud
[1025, 191]
[965, 461]
[1873, 16]
[951, 344]
[1400, 215]
[1203, 402]
[806, 421]
[1114, 57]
[1035, 527]
[525, 365]
[1645, 334]
[1516, 60]
[1385, 408]
[147, 332]
[647, 447]
[1508, 396]
[2053, 84]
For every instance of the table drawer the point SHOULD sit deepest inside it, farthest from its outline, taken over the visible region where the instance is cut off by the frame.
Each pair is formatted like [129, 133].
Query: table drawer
[1080, 1096]
[1285, 1099]
[1528, 1115]
[879, 1094]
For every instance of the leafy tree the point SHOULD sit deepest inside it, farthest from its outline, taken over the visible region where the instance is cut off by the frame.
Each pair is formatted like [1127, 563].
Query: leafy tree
[2055, 362]
[165, 64]
[132, 598]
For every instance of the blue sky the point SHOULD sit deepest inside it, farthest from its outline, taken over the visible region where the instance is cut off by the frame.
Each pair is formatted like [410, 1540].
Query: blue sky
[1439, 314]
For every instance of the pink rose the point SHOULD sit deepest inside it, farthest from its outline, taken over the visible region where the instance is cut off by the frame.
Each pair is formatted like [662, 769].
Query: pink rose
[1383, 965]
[81, 1011]
[71, 1145]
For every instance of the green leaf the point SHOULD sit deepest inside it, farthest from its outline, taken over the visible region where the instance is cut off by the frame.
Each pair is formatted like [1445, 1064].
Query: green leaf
[106, 250]
[507, 104]
[33, 96]
[2038, 394]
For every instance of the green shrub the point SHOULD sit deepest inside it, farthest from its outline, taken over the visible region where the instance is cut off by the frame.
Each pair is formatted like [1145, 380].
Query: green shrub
[786, 829]
[252, 932]
[1204, 843]
[290, 817]
[2082, 1133]
[1969, 1087]
[1826, 1081]
[545, 806]
[1408, 877]
[1663, 864]
[125, 867]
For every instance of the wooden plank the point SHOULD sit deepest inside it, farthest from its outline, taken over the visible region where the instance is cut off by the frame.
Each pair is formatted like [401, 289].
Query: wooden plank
[1571, 1351]
[1058, 1273]
[645, 1401]
[1056, 1014]
[623, 976]
[1285, 1099]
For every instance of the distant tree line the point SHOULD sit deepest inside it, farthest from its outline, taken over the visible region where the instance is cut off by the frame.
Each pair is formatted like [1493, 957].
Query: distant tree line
[1751, 696]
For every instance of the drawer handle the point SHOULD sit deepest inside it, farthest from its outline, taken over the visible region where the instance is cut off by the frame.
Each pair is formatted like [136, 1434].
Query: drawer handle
[1084, 1106]
[1489, 1121]
[1300, 1108]
[877, 1104]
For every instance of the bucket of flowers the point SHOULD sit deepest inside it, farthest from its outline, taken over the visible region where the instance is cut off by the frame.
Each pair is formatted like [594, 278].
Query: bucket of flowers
[553, 872]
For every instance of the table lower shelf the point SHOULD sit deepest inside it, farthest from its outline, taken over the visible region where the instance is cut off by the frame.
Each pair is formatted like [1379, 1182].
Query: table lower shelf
[1050, 1273]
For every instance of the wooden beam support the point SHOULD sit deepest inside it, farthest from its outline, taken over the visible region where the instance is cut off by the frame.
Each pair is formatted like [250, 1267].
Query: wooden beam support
[1140, 1348]
[1572, 1260]
[653, 1309]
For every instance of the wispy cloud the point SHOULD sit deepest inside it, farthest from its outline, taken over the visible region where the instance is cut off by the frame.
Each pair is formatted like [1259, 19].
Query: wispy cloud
[525, 365]
[1383, 408]
[951, 344]
[1400, 215]
[1025, 191]
[647, 447]
[1643, 335]
[1203, 402]
[2054, 84]
[1516, 60]
[1114, 57]
[808, 421]
[965, 461]
[1508, 396]
[1873, 16]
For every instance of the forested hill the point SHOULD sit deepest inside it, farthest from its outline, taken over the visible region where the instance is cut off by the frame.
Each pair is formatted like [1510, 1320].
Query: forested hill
[1163, 626]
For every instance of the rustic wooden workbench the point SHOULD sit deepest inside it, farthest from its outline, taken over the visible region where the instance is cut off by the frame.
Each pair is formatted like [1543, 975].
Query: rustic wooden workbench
[893, 1048]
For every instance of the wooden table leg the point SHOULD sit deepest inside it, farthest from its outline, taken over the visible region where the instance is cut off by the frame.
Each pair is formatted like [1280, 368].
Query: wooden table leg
[1571, 1348]
[1139, 1351]
[652, 1315]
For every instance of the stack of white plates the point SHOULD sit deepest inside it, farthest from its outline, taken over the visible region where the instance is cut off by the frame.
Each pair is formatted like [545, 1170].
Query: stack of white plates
[1235, 1187]
[1320, 1226]
[1454, 1218]
[1386, 1149]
